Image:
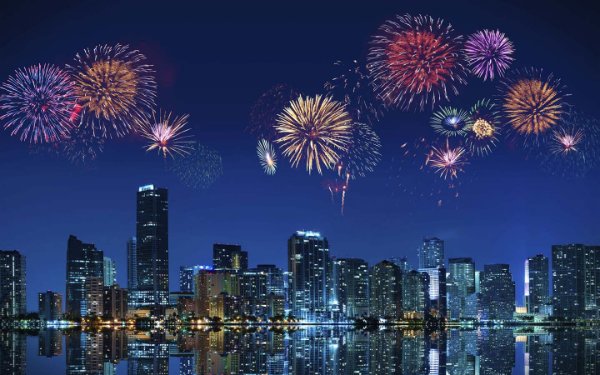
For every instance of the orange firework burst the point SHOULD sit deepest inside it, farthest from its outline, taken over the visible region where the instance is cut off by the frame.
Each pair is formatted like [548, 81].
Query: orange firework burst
[168, 135]
[317, 129]
[532, 103]
[447, 161]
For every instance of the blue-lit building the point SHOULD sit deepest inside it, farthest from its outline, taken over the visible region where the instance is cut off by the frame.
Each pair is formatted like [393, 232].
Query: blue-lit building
[431, 261]
[12, 284]
[497, 292]
[459, 285]
[132, 264]
[386, 291]
[537, 290]
[187, 277]
[352, 283]
[85, 271]
[50, 305]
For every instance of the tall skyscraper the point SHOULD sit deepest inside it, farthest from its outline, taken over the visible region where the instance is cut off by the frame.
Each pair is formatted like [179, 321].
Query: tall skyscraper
[12, 284]
[110, 272]
[386, 290]
[460, 284]
[310, 276]
[431, 253]
[50, 305]
[498, 292]
[132, 263]
[229, 257]
[84, 262]
[537, 282]
[415, 294]
[152, 247]
[568, 280]
[431, 261]
[591, 276]
[352, 286]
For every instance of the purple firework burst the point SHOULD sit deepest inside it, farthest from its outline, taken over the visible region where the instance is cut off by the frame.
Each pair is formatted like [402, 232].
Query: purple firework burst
[489, 53]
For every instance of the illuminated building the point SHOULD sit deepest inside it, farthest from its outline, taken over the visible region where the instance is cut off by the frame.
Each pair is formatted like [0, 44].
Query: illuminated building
[497, 292]
[186, 277]
[460, 285]
[229, 257]
[536, 284]
[110, 272]
[50, 305]
[115, 302]
[415, 294]
[352, 286]
[12, 284]
[84, 263]
[132, 263]
[386, 291]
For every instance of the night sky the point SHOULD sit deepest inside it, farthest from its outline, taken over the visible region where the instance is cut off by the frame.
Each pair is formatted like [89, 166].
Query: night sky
[213, 61]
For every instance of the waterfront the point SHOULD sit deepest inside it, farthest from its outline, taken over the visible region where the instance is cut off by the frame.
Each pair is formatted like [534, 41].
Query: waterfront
[309, 350]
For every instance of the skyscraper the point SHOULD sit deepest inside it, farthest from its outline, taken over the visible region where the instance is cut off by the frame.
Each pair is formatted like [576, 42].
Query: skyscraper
[310, 275]
[431, 261]
[114, 300]
[187, 275]
[498, 292]
[352, 286]
[275, 283]
[12, 284]
[415, 294]
[229, 257]
[386, 290]
[568, 280]
[537, 284]
[50, 305]
[110, 272]
[152, 248]
[591, 276]
[460, 284]
[84, 261]
[431, 253]
[132, 263]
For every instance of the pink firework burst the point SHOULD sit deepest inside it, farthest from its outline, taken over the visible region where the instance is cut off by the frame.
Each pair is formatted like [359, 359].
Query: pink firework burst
[167, 135]
[566, 141]
[447, 161]
[489, 53]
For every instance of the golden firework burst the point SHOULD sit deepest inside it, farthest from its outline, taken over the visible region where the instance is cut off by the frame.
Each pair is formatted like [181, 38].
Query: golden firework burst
[482, 129]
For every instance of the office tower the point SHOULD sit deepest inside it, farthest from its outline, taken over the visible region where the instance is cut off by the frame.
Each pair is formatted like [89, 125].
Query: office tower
[352, 286]
[110, 271]
[401, 262]
[50, 343]
[253, 290]
[12, 284]
[460, 285]
[386, 290]
[537, 282]
[497, 292]
[50, 305]
[152, 248]
[94, 289]
[437, 291]
[591, 276]
[275, 283]
[568, 280]
[84, 261]
[187, 275]
[114, 300]
[415, 294]
[310, 276]
[132, 263]
[229, 257]
[431, 253]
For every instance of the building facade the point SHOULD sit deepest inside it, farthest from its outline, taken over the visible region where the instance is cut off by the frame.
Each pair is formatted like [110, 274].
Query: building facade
[431, 253]
[386, 291]
[459, 285]
[50, 305]
[415, 294]
[84, 262]
[537, 289]
[114, 300]
[13, 286]
[352, 283]
[497, 292]
[229, 257]
[132, 263]
[110, 271]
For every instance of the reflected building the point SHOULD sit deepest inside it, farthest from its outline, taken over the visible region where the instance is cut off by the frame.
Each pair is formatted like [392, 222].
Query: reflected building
[85, 277]
[84, 353]
[50, 343]
[537, 354]
[148, 355]
[414, 360]
[385, 352]
[12, 284]
[13, 353]
[462, 356]
[497, 352]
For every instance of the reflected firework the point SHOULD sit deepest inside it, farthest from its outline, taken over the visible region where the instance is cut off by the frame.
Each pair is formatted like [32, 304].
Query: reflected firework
[167, 135]
[351, 86]
[450, 122]
[415, 61]
[81, 146]
[263, 115]
[115, 89]
[267, 156]
[447, 161]
[316, 129]
[364, 152]
[200, 169]
[532, 102]
[489, 53]
[36, 103]
[483, 133]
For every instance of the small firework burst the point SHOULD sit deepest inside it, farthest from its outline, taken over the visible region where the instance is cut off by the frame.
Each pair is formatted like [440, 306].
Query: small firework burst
[167, 134]
[364, 152]
[115, 89]
[37, 103]
[351, 86]
[489, 53]
[267, 156]
[450, 122]
[532, 102]
[81, 146]
[483, 133]
[415, 61]
[316, 129]
[200, 169]
[565, 141]
[264, 112]
[447, 161]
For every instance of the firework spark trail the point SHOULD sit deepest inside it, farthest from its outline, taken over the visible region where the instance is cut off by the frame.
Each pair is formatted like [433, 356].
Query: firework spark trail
[167, 134]
[450, 122]
[489, 53]
[267, 156]
[266, 109]
[363, 153]
[37, 103]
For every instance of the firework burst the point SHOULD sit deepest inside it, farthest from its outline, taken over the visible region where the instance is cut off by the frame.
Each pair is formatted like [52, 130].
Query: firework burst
[363, 154]
[316, 129]
[416, 60]
[566, 141]
[37, 103]
[489, 53]
[351, 86]
[264, 112]
[532, 102]
[200, 169]
[483, 132]
[267, 156]
[167, 134]
[115, 89]
[447, 161]
[450, 122]
[80, 146]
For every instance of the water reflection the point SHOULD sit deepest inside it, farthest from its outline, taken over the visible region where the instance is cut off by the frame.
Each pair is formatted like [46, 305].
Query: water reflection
[316, 350]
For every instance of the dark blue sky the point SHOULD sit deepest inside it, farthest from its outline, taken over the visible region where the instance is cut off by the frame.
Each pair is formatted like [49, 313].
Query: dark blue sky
[213, 62]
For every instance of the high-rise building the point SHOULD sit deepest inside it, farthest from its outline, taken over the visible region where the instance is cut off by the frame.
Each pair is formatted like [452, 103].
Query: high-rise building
[310, 276]
[229, 257]
[431, 253]
[386, 291]
[352, 286]
[209, 285]
[94, 303]
[50, 305]
[187, 275]
[132, 263]
[537, 281]
[114, 300]
[275, 278]
[415, 294]
[401, 262]
[591, 276]
[12, 284]
[497, 292]
[437, 306]
[459, 285]
[84, 261]
[152, 248]
[110, 272]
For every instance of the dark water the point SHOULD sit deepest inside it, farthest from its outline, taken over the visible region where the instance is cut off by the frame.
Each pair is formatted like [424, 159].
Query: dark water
[315, 350]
